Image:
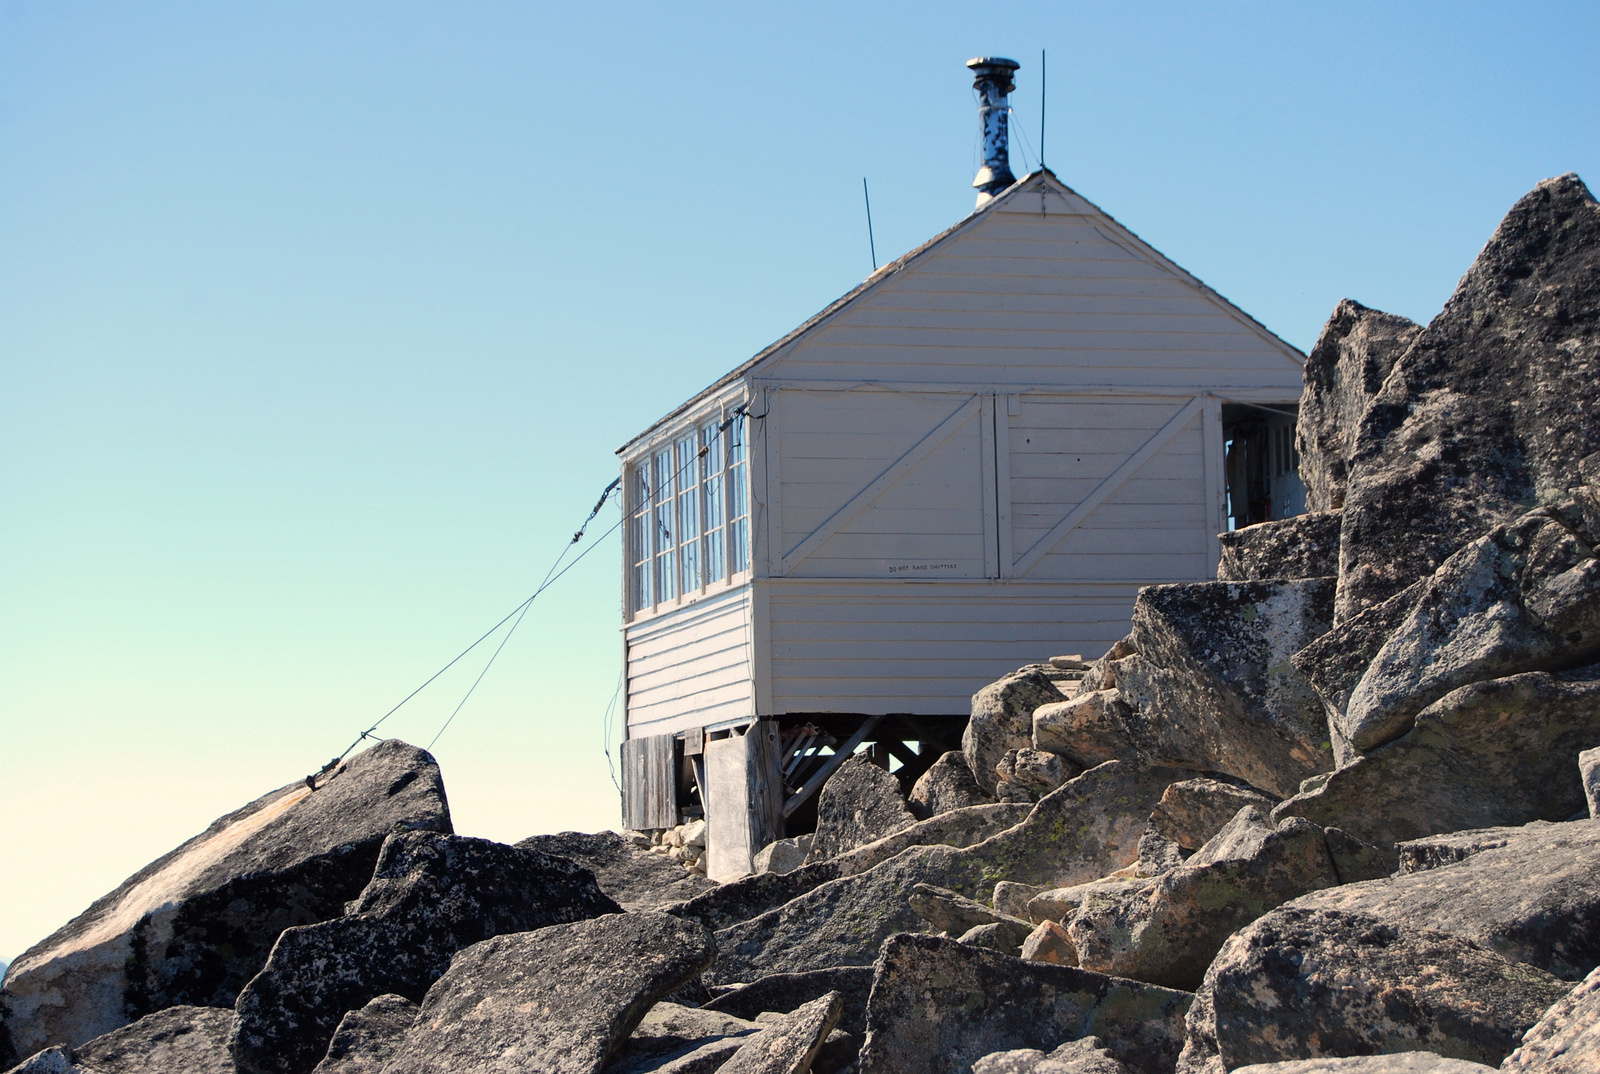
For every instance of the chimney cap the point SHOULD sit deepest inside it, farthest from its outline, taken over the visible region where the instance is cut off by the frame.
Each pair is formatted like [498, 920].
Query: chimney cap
[993, 61]
[993, 69]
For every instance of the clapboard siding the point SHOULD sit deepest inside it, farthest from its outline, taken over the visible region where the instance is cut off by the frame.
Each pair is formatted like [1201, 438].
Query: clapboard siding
[910, 305]
[888, 646]
[1061, 297]
[1181, 339]
[691, 666]
[1023, 287]
[1042, 368]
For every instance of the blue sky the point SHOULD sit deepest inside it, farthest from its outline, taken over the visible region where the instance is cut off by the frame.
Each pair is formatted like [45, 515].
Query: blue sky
[319, 324]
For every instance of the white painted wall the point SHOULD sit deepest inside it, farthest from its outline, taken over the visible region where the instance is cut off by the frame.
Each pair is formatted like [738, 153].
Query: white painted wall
[887, 646]
[1151, 522]
[690, 667]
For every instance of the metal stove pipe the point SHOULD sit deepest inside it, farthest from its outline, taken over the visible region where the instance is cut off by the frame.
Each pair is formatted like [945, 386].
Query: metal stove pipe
[992, 79]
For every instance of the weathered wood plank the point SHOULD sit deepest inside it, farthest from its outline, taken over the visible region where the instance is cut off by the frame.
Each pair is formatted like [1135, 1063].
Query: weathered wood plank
[1154, 286]
[953, 371]
[1060, 270]
[728, 849]
[1101, 372]
[649, 788]
[766, 783]
[745, 791]
[690, 661]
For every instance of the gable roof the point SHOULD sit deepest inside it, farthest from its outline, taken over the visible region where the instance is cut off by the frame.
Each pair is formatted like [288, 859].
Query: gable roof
[1039, 181]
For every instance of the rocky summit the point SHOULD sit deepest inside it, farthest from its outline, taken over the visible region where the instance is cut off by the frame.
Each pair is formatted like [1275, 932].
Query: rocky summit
[1331, 813]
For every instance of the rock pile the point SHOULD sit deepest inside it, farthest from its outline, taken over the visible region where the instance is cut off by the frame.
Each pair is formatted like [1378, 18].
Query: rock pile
[1334, 812]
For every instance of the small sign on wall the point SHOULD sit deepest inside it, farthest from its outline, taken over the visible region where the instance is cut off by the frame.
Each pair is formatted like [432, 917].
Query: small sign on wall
[924, 568]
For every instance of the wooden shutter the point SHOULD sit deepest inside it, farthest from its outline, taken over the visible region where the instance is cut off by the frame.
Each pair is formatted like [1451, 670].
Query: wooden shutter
[649, 784]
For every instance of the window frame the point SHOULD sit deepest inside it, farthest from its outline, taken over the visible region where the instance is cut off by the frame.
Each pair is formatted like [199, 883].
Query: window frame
[650, 504]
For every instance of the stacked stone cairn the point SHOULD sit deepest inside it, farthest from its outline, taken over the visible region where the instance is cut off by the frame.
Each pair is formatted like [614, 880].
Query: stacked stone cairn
[1334, 812]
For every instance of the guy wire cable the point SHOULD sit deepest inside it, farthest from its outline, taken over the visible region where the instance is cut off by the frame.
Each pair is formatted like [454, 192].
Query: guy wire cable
[551, 576]
[521, 610]
[693, 461]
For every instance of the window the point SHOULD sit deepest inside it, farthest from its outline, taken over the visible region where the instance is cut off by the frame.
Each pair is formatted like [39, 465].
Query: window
[689, 514]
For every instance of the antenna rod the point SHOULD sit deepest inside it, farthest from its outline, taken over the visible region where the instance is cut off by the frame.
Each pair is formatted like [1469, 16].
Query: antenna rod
[871, 245]
[1041, 108]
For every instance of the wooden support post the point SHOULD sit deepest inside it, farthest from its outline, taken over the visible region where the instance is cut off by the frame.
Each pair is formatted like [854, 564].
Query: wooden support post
[815, 783]
[745, 808]
[766, 784]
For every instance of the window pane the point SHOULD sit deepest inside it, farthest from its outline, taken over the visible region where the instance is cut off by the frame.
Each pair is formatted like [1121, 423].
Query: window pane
[716, 514]
[688, 472]
[665, 535]
[738, 506]
[738, 499]
[641, 586]
[739, 537]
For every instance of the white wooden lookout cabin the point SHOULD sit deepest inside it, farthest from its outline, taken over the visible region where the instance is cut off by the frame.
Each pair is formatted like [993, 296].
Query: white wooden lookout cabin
[969, 462]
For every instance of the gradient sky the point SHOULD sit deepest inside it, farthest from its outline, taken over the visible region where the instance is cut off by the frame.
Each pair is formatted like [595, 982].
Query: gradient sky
[320, 323]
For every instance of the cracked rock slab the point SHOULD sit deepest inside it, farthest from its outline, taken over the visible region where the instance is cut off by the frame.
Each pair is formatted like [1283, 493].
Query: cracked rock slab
[1193, 811]
[1567, 1039]
[1589, 773]
[859, 804]
[938, 1006]
[1344, 371]
[366, 1039]
[1303, 984]
[635, 878]
[673, 1035]
[1002, 717]
[1213, 688]
[947, 912]
[193, 1040]
[55, 1060]
[790, 1044]
[945, 786]
[1085, 1056]
[1304, 546]
[1086, 829]
[1489, 409]
[1523, 597]
[193, 926]
[1531, 894]
[1495, 753]
[784, 992]
[752, 896]
[430, 896]
[1169, 932]
[1397, 1063]
[592, 983]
